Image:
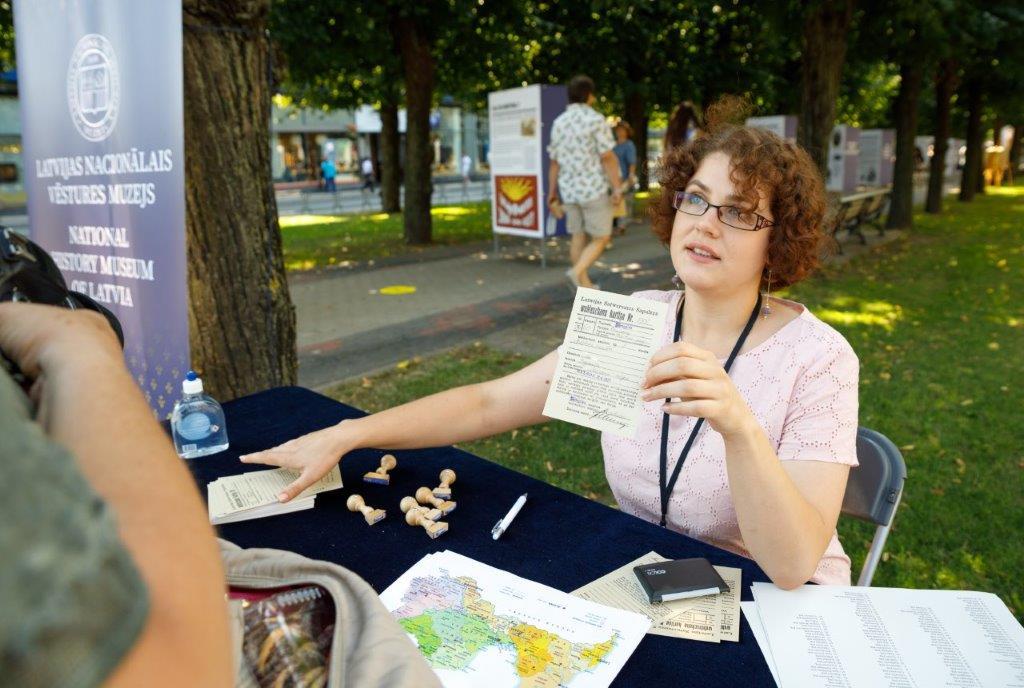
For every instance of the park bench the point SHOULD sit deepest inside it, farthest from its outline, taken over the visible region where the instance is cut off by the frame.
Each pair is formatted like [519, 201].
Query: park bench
[853, 211]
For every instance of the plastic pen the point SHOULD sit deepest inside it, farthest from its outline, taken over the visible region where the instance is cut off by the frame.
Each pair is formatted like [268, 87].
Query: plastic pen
[502, 525]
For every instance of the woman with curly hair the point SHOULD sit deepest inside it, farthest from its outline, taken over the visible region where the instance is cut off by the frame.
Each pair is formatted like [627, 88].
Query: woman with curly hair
[749, 423]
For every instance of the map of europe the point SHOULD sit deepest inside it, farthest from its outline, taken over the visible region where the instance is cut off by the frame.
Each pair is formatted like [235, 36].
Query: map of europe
[454, 624]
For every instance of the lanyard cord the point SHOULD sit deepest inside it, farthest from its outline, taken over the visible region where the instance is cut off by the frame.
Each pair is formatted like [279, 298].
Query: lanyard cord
[668, 487]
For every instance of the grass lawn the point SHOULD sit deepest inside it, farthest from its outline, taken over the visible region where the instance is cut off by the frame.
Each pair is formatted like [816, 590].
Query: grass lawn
[321, 241]
[938, 323]
[313, 242]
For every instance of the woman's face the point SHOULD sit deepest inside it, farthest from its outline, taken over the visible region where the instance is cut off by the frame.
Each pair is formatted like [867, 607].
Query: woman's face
[620, 134]
[708, 255]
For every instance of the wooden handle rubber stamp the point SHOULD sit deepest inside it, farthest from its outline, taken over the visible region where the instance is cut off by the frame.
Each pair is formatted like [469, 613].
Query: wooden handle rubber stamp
[425, 496]
[356, 503]
[380, 476]
[415, 517]
[408, 503]
[444, 490]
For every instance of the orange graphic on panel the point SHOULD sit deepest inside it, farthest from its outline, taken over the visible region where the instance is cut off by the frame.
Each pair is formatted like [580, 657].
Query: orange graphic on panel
[516, 201]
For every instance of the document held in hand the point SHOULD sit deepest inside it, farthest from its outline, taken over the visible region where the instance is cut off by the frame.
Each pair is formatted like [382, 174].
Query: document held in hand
[608, 344]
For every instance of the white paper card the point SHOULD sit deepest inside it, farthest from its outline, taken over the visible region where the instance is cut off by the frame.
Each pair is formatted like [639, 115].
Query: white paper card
[235, 493]
[608, 344]
[850, 636]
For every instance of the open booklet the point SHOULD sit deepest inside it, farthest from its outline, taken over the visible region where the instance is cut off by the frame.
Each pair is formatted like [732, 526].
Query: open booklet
[254, 494]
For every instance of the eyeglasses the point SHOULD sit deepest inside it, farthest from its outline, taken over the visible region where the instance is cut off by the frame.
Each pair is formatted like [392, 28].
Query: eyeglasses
[692, 204]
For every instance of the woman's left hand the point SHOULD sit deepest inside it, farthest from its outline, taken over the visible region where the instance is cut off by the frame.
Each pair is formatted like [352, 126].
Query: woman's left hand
[696, 379]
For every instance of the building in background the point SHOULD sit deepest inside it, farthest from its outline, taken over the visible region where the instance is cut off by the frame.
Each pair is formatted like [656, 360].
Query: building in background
[12, 185]
[302, 137]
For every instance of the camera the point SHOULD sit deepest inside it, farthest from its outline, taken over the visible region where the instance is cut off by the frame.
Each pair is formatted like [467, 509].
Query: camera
[28, 274]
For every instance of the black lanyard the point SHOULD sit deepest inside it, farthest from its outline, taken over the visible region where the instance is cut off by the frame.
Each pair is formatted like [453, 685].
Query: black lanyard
[666, 488]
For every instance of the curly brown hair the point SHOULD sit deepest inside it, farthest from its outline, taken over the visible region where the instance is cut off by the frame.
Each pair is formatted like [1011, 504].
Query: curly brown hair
[761, 161]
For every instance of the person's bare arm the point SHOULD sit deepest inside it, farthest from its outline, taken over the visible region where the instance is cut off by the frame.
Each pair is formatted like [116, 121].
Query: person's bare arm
[456, 415]
[611, 170]
[553, 170]
[88, 402]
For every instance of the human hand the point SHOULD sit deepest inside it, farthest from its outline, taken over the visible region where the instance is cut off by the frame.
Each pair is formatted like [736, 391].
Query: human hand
[697, 379]
[312, 455]
[616, 197]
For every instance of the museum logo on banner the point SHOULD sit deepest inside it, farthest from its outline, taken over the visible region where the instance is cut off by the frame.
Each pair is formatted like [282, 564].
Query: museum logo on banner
[94, 87]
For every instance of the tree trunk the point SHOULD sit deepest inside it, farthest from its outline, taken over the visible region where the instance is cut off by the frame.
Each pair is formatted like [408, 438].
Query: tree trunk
[980, 186]
[901, 209]
[997, 126]
[636, 115]
[374, 141]
[945, 80]
[413, 45]
[974, 157]
[241, 319]
[822, 57]
[389, 186]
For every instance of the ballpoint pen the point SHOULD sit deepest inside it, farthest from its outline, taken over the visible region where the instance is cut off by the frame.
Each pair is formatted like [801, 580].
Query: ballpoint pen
[502, 525]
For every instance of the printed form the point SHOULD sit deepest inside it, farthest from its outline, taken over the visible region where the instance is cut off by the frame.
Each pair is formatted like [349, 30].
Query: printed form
[711, 618]
[608, 344]
[849, 636]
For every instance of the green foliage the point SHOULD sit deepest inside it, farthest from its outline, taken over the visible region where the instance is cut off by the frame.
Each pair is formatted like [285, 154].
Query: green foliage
[936, 321]
[866, 95]
[6, 36]
[335, 56]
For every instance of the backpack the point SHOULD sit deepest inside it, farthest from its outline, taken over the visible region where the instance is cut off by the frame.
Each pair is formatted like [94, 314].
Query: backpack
[366, 648]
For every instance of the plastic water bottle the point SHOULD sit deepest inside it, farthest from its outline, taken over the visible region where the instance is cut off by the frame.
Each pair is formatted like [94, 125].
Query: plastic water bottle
[197, 422]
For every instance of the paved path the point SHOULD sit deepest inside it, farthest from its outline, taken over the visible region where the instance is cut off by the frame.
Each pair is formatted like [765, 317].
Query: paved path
[348, 328]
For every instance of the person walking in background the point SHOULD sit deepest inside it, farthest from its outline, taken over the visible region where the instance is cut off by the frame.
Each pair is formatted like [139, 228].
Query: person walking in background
[466, 167]
[625, 153]
[367, 167]
[329, 171]
[682, 126]
[583, 168]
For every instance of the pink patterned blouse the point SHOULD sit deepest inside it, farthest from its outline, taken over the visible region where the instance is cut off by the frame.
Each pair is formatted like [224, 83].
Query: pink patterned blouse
[801, 385]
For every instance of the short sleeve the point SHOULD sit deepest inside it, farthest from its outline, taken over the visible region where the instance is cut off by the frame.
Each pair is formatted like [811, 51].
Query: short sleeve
[630, 153]
[603, 139]
[554, 147]
[821, 420]
[72, 600]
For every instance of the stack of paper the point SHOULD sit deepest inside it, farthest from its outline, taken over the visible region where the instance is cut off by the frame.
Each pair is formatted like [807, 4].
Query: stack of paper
[254, 494]
[480, 626]
[849, 636]
[711, 618]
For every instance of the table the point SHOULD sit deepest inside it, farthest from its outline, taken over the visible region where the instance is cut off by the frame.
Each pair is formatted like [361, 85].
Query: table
[559, 539]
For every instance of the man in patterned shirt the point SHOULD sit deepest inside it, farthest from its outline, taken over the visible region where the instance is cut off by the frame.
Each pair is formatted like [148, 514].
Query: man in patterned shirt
[583, 168]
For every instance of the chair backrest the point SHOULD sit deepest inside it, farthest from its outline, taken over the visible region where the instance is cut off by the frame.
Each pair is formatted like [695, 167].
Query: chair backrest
[874, 487]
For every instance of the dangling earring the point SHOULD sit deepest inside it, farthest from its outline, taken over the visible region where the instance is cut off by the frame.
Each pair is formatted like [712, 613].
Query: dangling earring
[766, 310]
[678, 283]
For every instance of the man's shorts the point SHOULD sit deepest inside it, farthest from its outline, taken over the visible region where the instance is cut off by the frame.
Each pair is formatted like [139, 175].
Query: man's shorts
[593, 217]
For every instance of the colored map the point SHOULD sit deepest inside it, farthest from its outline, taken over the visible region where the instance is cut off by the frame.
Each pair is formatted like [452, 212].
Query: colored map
[474, 622]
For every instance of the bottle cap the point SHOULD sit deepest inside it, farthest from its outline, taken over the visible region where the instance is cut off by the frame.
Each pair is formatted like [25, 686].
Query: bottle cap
[191, 384]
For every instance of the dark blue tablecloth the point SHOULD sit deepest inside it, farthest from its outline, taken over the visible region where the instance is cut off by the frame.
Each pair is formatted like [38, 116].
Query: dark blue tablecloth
[559, 539]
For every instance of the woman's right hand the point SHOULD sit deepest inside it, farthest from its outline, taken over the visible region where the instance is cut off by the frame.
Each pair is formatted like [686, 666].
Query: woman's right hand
[312, 455]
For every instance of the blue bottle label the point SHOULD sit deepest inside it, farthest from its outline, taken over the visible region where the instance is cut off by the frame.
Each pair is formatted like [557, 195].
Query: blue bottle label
[195, 426]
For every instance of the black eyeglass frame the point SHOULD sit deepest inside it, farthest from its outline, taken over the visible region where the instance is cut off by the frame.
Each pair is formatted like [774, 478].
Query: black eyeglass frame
[680, 196]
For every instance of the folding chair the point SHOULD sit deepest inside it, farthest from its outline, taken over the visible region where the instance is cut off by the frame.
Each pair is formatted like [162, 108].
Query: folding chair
[873, 491]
